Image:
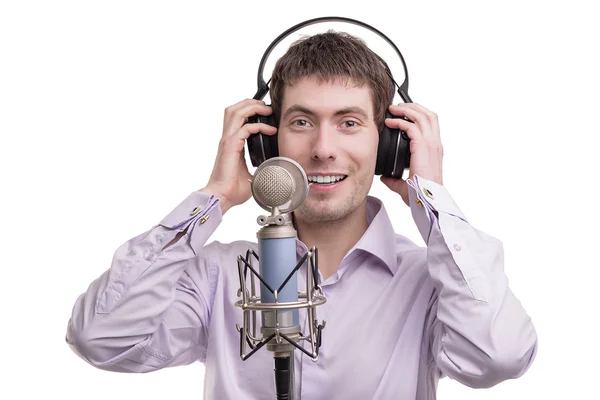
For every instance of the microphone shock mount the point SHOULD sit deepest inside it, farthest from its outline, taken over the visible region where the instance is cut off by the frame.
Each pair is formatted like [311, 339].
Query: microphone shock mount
[278, 333]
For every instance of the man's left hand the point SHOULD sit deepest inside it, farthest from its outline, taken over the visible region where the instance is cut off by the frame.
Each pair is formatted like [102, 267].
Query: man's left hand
[425, 145]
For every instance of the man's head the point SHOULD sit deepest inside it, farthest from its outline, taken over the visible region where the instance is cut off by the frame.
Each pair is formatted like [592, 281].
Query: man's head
[330, 93]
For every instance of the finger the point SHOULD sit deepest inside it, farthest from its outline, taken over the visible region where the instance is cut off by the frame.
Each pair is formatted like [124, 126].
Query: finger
[233, 109]
[235, 143]
[431, 116]
[243, 164]
[412, 130]
[397, 185]
[420, 119]
[235, 116]
[416, 106]
[254, 128]
[244, 107]
[244, 103]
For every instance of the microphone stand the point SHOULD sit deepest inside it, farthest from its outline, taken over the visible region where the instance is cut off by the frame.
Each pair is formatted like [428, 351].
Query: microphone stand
[279, 337]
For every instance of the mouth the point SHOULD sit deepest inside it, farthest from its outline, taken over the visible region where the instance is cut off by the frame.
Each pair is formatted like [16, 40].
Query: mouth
[325, 183]
[326, 179]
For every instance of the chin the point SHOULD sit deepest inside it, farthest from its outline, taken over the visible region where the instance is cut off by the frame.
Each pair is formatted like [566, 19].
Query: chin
[319, 213]
[318, 209]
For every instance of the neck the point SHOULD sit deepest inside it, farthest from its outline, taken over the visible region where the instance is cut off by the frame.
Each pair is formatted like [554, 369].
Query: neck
[333, 238]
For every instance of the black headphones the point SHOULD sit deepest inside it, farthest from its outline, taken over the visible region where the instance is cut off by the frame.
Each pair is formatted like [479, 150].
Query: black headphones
[393, 152]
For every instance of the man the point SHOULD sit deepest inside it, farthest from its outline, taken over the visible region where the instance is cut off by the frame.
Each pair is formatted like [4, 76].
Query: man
[399, 316]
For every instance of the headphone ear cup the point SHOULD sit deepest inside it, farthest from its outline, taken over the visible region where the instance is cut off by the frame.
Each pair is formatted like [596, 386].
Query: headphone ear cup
[403, 155]
[261, 147]
[393, 153]
[385, 135]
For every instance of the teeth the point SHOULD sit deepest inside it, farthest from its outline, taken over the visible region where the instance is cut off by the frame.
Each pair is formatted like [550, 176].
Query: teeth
[325, 179]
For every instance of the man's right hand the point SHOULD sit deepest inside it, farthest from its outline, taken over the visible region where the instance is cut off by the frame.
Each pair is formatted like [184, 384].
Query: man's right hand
[230, 177]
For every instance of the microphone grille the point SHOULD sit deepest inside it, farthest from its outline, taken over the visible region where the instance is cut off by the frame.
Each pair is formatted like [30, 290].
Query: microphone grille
[273, 186]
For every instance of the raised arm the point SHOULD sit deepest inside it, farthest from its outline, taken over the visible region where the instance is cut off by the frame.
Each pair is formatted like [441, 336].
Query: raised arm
[480, 334]
[145, 312]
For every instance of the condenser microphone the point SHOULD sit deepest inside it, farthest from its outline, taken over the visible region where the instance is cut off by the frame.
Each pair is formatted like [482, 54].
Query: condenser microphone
[276, 183]
[279, 186]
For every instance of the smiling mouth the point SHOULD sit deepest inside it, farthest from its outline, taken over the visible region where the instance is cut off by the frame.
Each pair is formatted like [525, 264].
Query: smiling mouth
[326, 180]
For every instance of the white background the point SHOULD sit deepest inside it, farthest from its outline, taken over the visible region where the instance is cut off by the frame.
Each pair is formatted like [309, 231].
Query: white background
[111, 112]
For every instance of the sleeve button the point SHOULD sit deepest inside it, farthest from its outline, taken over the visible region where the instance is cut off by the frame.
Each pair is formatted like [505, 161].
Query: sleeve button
[196, 210]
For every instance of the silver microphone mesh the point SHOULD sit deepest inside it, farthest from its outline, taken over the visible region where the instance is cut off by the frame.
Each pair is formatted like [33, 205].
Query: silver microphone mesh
[273, 186]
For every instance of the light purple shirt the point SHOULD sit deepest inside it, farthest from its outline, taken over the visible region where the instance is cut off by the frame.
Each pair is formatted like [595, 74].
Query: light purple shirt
[398, 316]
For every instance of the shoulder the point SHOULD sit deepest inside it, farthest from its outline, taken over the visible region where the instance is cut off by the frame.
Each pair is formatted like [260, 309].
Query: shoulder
[411, 257]
[217, 247]
[405, 246]
[218, 252]
[221, 257]
[216, 265]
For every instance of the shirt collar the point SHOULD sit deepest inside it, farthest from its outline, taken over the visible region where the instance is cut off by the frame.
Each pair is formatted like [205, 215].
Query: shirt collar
[379, 239]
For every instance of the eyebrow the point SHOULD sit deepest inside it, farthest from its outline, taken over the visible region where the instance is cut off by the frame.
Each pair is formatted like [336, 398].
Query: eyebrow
[343, 111]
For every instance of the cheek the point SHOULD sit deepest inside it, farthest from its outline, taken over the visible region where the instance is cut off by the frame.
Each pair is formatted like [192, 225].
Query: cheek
[364, 150]
[283, 144]
[292, 146]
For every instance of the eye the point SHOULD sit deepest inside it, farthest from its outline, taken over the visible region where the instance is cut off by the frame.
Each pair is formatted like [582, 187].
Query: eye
[350, 124]
[300, 122]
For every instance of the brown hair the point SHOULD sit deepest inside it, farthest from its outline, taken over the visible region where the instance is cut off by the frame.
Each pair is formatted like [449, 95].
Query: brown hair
[333, 56]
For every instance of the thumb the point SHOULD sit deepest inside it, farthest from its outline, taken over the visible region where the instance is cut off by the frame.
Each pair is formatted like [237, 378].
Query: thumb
[397, 185]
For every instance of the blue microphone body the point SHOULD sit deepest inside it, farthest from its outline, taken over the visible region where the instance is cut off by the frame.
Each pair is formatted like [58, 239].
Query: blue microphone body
[277, 260]
[279, 186]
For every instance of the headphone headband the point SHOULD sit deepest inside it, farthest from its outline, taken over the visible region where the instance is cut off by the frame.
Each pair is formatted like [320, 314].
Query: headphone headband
[263, 87]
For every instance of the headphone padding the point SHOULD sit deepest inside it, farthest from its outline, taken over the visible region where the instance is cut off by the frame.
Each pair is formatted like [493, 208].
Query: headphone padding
[403, 161]
[383, 149]
[261, 147]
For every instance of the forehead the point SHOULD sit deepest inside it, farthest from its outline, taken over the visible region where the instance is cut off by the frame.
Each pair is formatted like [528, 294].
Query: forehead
[327, 96]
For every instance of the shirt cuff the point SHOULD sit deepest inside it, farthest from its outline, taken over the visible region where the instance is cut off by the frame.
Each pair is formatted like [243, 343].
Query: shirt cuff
[436, 197]
[197, 209]
[195, 205]
[427, 199]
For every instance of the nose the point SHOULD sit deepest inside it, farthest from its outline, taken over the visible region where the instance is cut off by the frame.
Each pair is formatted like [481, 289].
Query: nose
[325, 144]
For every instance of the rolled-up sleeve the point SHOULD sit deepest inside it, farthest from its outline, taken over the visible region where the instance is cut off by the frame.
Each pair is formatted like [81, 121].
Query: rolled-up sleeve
[145, 312]
[480, 333]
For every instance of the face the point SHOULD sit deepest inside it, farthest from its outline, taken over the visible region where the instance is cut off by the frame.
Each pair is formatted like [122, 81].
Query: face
[328, 128]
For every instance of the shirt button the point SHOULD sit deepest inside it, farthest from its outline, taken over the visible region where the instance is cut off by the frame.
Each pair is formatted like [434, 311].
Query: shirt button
[196, 210]
[456, 247]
